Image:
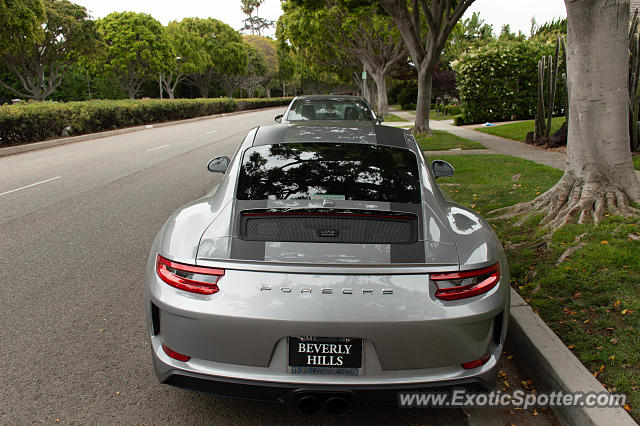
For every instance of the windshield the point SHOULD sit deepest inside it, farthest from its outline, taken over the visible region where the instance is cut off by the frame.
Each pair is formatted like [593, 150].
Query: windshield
[329, 109]
[329, 171]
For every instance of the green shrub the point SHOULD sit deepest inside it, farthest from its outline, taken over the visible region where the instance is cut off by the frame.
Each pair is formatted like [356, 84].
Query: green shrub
[37, 121]
[395, 87]
[408, 98]
[453, 110]
[499, 81]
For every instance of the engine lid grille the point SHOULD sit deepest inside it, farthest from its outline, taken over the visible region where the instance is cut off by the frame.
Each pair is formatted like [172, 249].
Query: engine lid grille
[335, 226]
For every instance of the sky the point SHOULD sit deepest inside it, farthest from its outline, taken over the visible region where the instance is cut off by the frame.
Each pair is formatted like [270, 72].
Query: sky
[517, 13]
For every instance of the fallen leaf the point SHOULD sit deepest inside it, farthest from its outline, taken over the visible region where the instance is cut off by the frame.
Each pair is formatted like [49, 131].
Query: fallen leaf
[535, 412]
[626, 407]
[102, 329]
[616, 303]
[571, 346]
[604, 242]
[510, 356]
[586, 321]
[624, 311]
[614, 341]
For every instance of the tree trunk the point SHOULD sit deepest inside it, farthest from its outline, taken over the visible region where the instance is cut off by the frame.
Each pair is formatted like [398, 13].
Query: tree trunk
[169, 84]
[425, 79]
[371, 90]
[381, 84]
[599, 175]
[203, 90]
[358, 80]
[598, 143]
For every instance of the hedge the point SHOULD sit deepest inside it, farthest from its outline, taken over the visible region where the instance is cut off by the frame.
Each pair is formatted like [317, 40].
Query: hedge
[499, 82]
[37, 121]
[452, 110]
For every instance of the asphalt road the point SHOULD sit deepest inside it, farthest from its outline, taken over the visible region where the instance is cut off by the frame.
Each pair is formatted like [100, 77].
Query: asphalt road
[76, 225]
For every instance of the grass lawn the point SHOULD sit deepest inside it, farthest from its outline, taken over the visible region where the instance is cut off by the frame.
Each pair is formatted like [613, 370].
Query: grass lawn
[443, 141]
[636, 162]
[518, 131]
[390, 118]
[433, 115]
[592, 299]
[439, 117]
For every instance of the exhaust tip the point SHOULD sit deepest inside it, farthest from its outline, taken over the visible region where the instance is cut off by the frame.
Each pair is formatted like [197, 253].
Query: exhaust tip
[337, 405]
[309, 404]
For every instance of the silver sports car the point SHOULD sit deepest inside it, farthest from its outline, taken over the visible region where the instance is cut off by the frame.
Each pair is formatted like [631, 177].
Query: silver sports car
[328, 108]
[327, 269]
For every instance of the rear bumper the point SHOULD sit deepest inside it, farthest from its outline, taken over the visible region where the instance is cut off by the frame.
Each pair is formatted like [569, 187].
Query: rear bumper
[238, 382]
[237, 338]
[288, 393]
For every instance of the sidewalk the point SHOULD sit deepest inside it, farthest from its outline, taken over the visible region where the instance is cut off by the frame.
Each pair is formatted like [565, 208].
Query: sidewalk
[493, 143]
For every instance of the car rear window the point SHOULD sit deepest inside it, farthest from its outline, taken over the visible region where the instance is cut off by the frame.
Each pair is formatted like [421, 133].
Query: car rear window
[329, 109]
[329, 171]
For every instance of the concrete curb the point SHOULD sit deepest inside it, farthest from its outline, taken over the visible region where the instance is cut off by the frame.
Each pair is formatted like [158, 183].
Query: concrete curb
[90, 136]
[555, 368]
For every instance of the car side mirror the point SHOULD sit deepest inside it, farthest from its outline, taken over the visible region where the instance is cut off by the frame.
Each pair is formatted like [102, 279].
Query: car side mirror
[279, 118]
[380, 119]
[441, 169]
[218, 164]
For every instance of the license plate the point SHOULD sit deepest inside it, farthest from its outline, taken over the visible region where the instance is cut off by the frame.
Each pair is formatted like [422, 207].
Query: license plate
[325, 355]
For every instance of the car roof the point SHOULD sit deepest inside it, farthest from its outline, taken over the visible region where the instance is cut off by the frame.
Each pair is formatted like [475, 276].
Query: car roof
[331, 132]
[329, 97]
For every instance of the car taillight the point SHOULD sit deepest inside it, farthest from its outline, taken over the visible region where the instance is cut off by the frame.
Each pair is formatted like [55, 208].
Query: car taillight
[463, 284]
[196, 279]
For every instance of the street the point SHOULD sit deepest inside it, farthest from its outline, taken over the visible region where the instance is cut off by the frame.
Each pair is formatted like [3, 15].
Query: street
[77, 224]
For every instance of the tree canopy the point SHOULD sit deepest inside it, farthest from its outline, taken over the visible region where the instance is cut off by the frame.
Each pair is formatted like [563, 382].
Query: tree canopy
[336, 33]
[20, 23]
[39, 61]
[254, 23]
[221, 51]
[135, 47]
